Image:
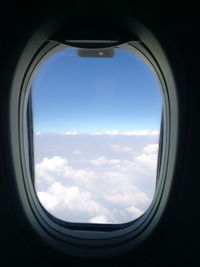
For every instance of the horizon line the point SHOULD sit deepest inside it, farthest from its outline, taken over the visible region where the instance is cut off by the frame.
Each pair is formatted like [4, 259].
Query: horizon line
[113, 132]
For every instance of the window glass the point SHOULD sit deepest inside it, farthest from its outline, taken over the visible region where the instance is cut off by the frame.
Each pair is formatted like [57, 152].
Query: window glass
[96, 124]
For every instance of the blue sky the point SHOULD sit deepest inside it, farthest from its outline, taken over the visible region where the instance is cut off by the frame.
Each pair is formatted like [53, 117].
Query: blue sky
[71, 93]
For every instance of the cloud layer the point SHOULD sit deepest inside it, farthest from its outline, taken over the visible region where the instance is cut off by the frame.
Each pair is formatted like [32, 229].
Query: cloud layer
[106, 180]
[113, 132]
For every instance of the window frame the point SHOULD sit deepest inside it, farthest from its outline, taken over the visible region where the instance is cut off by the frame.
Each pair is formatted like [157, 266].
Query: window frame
[94, 231]
[87, 241]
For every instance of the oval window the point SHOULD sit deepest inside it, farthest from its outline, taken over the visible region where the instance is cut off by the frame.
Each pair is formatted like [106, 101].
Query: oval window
[96, 129]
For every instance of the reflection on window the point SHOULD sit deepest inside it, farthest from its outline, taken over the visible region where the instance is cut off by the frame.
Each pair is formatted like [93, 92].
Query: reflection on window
[96, 122]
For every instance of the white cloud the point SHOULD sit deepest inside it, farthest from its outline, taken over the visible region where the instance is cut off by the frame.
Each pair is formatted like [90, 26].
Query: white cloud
[151, 149]
[100, 185]
[148, 158]
[119, 148]
[114, 132]
[77, 152]
[96, 133]
[111, 133]
[71, 133]
[70, 202]
[99, 219]
[38, 133]
[130, 196]
[56, 163]
[128, 133]
[135, 211]
[100, 161]
[49, 201]
[141, 133]
[56, 169]
[146, 168]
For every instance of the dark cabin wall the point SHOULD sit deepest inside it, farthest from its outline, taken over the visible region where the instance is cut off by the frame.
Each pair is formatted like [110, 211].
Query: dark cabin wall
[176, 242]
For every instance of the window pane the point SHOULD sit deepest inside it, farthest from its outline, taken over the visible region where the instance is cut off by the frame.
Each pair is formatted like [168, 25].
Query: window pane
[96, 121]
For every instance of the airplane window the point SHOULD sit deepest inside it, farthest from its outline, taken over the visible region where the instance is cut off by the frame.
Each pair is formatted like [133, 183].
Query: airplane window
[96, 116]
